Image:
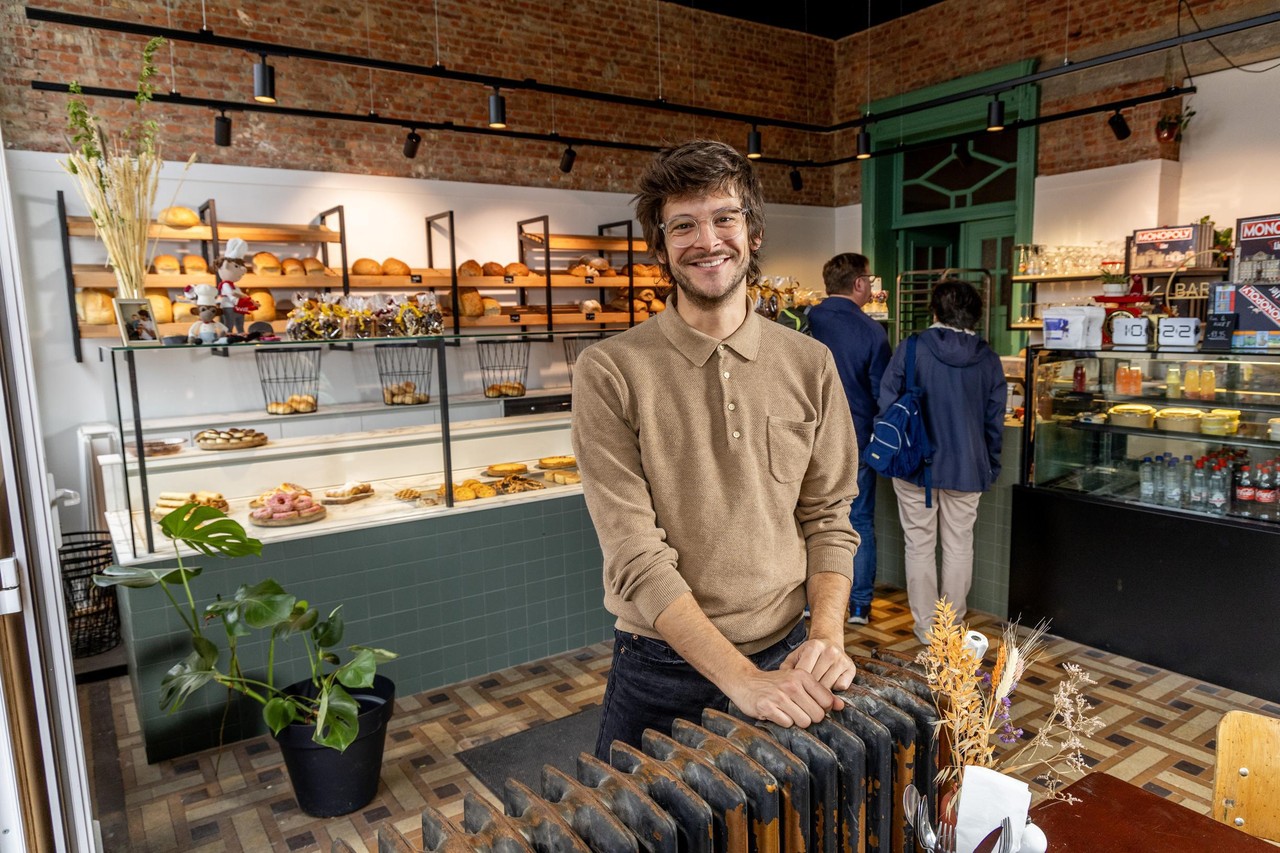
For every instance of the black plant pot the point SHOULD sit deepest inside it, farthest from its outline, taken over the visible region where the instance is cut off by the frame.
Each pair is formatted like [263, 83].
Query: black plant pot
[328, 783]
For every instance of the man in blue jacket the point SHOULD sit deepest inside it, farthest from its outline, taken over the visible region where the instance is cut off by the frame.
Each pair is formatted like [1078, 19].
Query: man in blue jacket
[964, 398]
[861, 349]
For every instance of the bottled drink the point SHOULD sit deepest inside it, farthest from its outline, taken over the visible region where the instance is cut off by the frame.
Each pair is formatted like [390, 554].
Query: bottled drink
[1147, 481]
[1199, 492]
[1218, 485]
[1173, 485]
[1186, 467]
[1078, 378]
[1208, 383]
[1264, 495]
[1191, 384]
[1245, 494]
[1157, 477]
[1173, 381]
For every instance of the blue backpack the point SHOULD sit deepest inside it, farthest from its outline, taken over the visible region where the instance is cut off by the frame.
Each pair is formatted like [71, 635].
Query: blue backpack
[899, 445]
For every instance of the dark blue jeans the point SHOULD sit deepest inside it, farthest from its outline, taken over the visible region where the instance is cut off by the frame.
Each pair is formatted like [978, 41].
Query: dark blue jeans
[862, 515]
[650, 686]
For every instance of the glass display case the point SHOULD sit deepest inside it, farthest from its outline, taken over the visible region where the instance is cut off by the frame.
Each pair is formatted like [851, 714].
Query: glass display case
[1180, 431]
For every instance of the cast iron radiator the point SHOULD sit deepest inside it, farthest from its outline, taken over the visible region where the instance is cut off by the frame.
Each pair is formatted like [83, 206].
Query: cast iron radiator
[728, 785]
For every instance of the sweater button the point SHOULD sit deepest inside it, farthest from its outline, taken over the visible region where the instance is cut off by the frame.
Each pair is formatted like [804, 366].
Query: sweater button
[737, 434]
[726, 374]
[733, 407]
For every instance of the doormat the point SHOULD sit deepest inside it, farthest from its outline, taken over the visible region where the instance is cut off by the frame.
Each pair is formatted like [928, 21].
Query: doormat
[520, 756]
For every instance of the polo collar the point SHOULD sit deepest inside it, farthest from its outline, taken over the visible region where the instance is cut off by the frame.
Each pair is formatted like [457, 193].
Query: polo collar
[699, 347]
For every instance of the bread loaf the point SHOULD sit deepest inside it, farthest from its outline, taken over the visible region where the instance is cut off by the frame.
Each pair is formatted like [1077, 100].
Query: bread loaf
[161, 305]
[491, 306]
[313, 266]
[94, 307]
[292, 266]
[657, 306]
[516, 268]
[470, 302]
[266, 310]
[265, 263]
[469, 268]
[194, 265]
[492, 268]
[581, 270]
[178, 217]
[394, 266]
[366, 266]
[166, 265]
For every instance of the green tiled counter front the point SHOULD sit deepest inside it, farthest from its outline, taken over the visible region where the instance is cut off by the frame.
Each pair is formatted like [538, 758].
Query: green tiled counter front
[990, 590]
[455, 596]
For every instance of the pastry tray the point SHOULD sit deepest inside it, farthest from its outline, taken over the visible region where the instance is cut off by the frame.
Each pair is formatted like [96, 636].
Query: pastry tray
[289, 522]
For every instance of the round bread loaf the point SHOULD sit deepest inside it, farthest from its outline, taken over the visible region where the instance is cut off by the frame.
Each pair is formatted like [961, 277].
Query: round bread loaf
[178, 217]
[166, 265]
[470, 268]
[395, 266]
[194, 265]
[516, 268]
[265, 263]
[366, 266]
[471, 303]
[94, 307]
[313, 266]
[581, 270]
[161, 305]
[266, 310]
[490, 305]
[492, 268]
[292, 266]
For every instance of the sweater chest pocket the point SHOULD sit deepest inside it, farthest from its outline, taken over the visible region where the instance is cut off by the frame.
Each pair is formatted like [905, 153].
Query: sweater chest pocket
[790, 447]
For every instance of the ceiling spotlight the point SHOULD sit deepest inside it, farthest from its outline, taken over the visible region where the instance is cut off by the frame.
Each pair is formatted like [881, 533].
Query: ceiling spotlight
[1119, 126]
[961, 150]
[497, 110]
[411, 144]
[264, 82]
[864, 144]
[221, 130]
[995, 115]
[797, 182]
[753, 144]
[567, 158]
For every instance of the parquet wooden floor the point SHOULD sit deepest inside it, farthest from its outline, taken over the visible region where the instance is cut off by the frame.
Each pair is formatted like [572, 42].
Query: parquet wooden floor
[1159, 734]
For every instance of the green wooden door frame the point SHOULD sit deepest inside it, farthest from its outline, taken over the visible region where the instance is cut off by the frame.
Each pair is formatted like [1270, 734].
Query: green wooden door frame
[881, 176]
[972, 236]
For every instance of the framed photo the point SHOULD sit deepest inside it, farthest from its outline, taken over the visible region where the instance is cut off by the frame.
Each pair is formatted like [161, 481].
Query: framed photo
[137, 326]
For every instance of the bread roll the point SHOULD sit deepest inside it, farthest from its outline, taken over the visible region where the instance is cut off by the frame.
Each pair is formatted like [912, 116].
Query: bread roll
[581, 270]
[471, 304]
[178, 217]
[292, 266]
[161, 305]
[194, 265]
[491, 306]
[493, 391]
[94, 307]
[470, 268]
[646, 294]
[265, 263]
[395, 266]
[492, 268]
[166, 265]
[314, 266]
[516, 268]
[366, 266]
[266, 310]
[657, 306]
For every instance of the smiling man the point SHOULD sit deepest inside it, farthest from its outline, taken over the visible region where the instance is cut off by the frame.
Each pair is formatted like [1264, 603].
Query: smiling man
[718, 460]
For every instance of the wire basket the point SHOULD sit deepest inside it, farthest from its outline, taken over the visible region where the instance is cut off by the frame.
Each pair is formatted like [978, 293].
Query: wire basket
[290, 379]
[573, 348]
[405, 373]
[504, 365]
[92, 618]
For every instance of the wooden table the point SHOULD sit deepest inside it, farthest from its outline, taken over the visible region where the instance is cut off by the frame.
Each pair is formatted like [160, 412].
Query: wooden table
[1117, 817]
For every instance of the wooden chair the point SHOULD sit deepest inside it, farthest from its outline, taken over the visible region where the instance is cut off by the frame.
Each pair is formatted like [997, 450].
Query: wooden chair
[1246, 777]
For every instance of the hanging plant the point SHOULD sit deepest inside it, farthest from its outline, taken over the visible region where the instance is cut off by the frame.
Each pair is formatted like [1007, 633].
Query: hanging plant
[1169, 127]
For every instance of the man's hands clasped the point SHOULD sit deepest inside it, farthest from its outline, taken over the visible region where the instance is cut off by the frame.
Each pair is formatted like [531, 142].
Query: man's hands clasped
[802, 690]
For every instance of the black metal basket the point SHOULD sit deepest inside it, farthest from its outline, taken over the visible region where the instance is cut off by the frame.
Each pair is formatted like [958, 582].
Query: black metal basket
[92, 618]
[405, 373]
[504, 366]
[290, 378]
[574, 346]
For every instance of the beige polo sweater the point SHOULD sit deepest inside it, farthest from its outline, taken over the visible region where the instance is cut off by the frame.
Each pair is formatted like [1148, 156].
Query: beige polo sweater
[722, 468]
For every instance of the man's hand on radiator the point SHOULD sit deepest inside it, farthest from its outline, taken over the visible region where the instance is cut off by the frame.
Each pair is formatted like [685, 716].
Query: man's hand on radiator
[788, 697]
[827, 661]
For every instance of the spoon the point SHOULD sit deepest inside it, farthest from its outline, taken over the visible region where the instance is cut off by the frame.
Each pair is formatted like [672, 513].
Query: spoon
[928, 838]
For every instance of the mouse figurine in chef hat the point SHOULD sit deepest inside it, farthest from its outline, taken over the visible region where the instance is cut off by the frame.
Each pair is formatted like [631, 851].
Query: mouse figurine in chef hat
[231, 267]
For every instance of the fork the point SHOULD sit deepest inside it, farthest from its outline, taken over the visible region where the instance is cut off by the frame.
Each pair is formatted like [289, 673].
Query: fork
[1006, 836]
[946, 839]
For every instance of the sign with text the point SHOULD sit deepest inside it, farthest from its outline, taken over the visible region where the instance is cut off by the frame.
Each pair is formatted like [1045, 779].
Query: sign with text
[1257, 254]
[1218, 332]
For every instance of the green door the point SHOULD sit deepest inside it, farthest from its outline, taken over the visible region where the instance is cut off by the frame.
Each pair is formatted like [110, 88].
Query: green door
[988, 244]
[929, 248]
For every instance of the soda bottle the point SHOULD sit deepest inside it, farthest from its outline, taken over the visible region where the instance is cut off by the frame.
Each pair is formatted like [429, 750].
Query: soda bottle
[1245, 494]
[1146, 481]
[1264, 495]
[1199, 491]
[1218, 485]
[1173, 484]
[1078, 378]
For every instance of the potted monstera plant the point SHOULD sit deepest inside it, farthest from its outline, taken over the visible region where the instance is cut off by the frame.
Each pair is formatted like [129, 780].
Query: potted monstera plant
[331, 726]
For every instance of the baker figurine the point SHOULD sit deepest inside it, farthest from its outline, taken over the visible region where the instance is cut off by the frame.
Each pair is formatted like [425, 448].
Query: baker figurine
[235, 303]
[208, 329]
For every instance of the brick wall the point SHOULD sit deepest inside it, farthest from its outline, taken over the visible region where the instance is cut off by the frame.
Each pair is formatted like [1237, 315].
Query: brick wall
[609, 45]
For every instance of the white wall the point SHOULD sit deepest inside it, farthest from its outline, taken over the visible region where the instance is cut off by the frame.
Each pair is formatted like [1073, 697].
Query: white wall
[1081, 208]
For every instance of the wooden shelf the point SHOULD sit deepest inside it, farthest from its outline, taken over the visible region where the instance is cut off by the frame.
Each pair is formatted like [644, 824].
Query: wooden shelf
[1048, 279]
[166, 329]
[1197, 271]
[82, 226]
[95, 276]
[579, 243]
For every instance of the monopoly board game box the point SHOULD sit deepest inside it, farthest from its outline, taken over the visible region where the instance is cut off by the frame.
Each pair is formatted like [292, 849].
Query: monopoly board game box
[1257, 252]
[1257, 309]
[1165, 249]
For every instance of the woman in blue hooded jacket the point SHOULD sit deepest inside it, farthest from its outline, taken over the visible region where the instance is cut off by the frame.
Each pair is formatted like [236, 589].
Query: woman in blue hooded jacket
[963, 385]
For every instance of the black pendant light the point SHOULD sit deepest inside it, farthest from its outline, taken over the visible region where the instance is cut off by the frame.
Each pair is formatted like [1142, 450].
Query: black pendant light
[264, 82]
[411, 143]
[797, 182]
[497, 110]
[567, 158]
[995, 115]
[221, 130]
[1119, 126]
[754, 147]
[864, 144]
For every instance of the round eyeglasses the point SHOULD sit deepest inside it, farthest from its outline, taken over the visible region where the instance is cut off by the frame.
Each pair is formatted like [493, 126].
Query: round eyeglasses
[683, 231]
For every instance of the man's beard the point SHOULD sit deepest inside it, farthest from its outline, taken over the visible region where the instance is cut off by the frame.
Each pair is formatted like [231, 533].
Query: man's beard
[708, 301]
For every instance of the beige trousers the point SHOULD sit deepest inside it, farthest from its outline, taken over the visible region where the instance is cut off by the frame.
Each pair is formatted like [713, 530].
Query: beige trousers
[951, 518]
